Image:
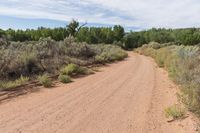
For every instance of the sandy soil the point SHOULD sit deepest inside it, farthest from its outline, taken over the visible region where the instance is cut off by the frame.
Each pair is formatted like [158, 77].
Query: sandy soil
[125, 97]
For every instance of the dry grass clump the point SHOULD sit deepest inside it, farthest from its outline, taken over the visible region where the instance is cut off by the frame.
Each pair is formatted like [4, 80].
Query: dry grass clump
[9, 85]
[34, 58]
[175, 112]
[64, 78]
[45, 80]
[182, 63]
[109, 53]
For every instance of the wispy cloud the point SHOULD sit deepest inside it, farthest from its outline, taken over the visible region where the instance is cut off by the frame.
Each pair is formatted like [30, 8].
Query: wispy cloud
[137, 13]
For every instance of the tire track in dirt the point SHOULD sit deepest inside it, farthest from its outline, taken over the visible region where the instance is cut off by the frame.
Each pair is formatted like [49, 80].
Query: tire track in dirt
[125, 97]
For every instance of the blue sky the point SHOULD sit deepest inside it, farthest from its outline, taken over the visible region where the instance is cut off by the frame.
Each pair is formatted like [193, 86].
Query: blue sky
[132, 14]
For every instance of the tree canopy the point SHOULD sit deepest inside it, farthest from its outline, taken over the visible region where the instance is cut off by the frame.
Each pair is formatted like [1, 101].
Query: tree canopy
[108, 35]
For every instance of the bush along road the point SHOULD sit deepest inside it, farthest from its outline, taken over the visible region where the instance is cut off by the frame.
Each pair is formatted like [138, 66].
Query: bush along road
[124, 97]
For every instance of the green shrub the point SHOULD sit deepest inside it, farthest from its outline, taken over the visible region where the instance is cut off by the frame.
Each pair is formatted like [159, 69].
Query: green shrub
[155, 45]
[109, 53]
[13, 84]
[84, 71]
[70, 69]
[45, 80]
[22, 80]
[73, 69]
[100, 59]
[175, 112]
[95, 69]
[32, 58]
[161, 56]
[46, 55]
[182, 63]
[64, 78]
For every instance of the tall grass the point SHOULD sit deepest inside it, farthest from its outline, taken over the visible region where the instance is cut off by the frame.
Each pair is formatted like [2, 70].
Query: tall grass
[33, 58]
[64, 78]
[8, 85]
[45, 80]
[175, 112]
[109, 53]
[183, 65]
[73, 70]
[48, 56]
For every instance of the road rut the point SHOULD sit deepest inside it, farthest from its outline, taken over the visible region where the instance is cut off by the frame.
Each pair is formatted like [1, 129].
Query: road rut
[124, 97]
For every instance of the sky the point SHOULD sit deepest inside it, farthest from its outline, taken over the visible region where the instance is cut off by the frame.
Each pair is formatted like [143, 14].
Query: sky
[132, 14]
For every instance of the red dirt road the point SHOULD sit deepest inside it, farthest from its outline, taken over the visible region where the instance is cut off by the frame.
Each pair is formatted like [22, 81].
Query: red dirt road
[125, 97]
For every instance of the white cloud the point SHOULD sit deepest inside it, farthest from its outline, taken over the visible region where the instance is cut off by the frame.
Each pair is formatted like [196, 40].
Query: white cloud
[158, 13]
[137, 13]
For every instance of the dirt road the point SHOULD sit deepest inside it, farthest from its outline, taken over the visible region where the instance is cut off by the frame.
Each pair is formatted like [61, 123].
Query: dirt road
[125, 97]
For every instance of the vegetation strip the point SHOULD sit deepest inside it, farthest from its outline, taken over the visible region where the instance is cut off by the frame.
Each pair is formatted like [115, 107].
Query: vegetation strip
[39, 63]
[182, 63]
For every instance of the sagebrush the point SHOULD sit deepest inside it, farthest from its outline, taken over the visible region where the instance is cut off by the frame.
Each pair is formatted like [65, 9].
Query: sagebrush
[182, 63]
[47, 55]
[33, 58]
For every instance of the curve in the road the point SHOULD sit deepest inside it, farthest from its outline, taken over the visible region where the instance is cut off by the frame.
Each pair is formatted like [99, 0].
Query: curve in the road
[125, 97]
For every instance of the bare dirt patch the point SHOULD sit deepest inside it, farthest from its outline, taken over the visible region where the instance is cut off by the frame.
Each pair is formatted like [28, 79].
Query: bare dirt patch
[125, 97]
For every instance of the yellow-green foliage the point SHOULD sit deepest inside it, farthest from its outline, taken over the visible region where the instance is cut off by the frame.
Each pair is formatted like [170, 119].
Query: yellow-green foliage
[69, 69]
[175, 112]
[147, 51]
[162, 55]
[64, 78]
[73, 69]
[45, 80]
[84, 71]
[110, 53]
[182, 63]
[155, 45]
[47, 56]
[13, 84]
[95, 69]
